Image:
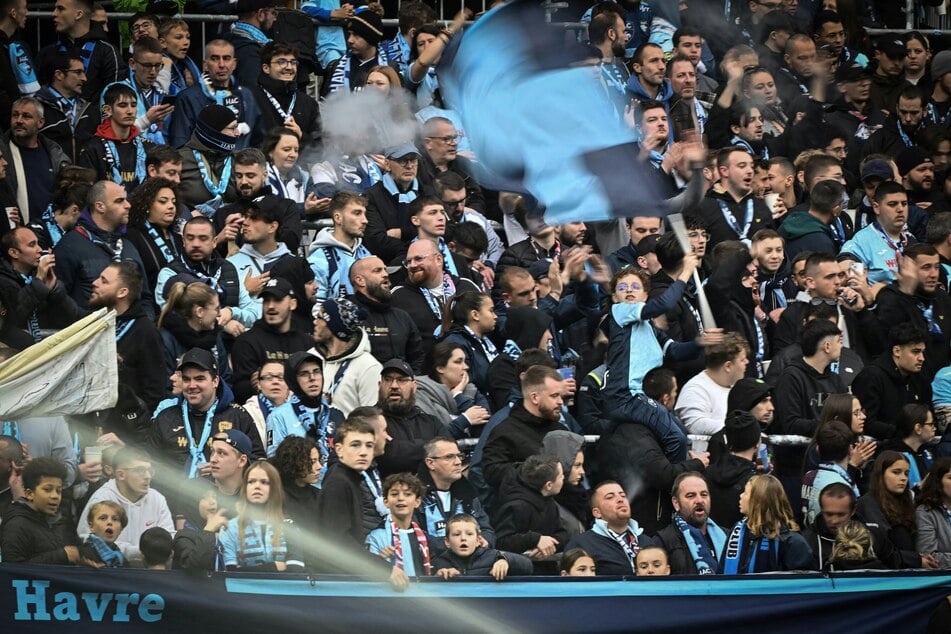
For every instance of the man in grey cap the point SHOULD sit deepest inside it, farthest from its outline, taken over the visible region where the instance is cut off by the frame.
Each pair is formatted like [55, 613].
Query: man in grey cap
[408, 426]
[388, 227]
[938, 110]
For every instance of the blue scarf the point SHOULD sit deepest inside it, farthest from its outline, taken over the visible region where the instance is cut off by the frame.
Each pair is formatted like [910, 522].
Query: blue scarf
[703, 558]
[251, 32]
[111, 557]
[11, 428]
[402, 198]
[196, 451]
[511, 350]
[33, 323]
[737, 544]
[340, 79]
[178, 73]
[22, 67]
[914, 474]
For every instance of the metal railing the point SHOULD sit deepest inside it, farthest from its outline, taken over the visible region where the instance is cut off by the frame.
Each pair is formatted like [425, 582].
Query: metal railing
[772, 440]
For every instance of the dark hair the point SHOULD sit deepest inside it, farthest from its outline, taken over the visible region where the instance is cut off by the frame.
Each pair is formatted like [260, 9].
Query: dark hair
[888, 188]
[685, 31]
[456, 312]
[274, 48]
[416, 207]
[116, 91]
[911, 92]
[815, 259]
[532, 357]
[683, 476]
[919, 248]
[599, 26]
[469, 235]
[648, 104]
[142, 198]
[427, 29]
[250, 156]
[814, 332]
[730, 348]
[42, 467]
[910, 416]
[570, 557]
[826, 196]
[627, 271]
[439, 356]
[161, 154]
[538, 470]
[448, 181]
[406, 479]
[413, 15]
[670, 255]
[899, 510]
[155, 544]
[825, 17]
[131, 277]
[148, 44]
[838, 490]
[355, 423]
[939, 227]
[817, 164]
[273, 138]
[658, 382]
[292, 458]
[837, 407]
[931, 493]
[638, 57]
[906, 334]
[833, 441]
[536, 376]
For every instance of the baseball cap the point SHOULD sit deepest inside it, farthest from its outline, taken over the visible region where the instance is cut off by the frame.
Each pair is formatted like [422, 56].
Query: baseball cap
[399, 365]
[278, 288]
[200, 358]
[237, 439]
[401, 151]
[878, 168]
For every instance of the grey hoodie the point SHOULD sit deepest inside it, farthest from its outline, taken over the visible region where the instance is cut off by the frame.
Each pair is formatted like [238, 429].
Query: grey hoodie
[564, 445]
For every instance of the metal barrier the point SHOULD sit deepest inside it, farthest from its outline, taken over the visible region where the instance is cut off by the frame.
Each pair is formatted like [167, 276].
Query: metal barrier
[775, 440]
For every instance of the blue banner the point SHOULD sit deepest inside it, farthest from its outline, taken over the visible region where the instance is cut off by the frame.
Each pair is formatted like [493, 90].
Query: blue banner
[38, 598]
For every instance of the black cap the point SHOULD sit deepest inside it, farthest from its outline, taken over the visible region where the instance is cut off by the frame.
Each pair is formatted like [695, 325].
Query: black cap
[400, 366]
[891, 46]
[278, 288]
[853, 72]
[742, 430]
[648, 244]
[539, 269]
[746, 393]
[199, 358]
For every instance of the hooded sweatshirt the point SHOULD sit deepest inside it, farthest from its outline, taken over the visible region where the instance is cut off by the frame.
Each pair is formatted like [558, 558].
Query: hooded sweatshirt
[331, 261]
[573, 506]
[352, 379]
[727, 477]
[526, 325]
[100, 58]
[107, 154]
[804, 232]
[525, 516]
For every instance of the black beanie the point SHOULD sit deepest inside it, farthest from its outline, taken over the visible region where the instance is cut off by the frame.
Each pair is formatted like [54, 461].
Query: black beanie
[217, 117]
[742, 430]
[746, 393]
[368, 25]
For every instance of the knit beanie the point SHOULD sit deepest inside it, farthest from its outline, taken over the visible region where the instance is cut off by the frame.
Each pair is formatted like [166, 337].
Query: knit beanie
[343, 317]
[368, 25]
[940, 65]
[742, 430]
[211, 121]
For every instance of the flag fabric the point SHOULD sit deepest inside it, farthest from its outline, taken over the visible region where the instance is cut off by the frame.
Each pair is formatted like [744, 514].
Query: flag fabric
[74, 371]
[540, 122]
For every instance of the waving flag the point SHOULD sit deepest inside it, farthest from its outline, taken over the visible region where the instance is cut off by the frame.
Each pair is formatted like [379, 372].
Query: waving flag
[541, 123]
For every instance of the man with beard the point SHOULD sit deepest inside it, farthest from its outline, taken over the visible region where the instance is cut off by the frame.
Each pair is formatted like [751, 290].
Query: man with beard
[852, 112]
[139, 347]
[521, 435]
[606, 33]
[616, 537]
[336, 248]
[795, 77]
[392, 332]
[28, 286]
[648, 83]
[250, 181]
[270, 338]
[344, 346]
[915, 298]
[451, 189]
[901, 128]
[248, 36]
[917, 172]
[95, 242]
[428, 289]
[408, 426]
[238, 310]
[388, 225]
[31, 157]
[694, 543]
[746, 123]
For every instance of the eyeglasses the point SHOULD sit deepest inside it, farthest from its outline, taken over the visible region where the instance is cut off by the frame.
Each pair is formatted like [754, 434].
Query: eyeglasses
[818, 301]
[147, 66]
[143, 25]
[271, 377]
[840, 151]
[418, 259]
[449, 138]
[858, 412]
[285, 62]
[929, 424]
[401, 380]
[309, 374]
[139, 471]
[452, 204]
[449, 457]
[406, 160]
[628, 287]
[772, 6]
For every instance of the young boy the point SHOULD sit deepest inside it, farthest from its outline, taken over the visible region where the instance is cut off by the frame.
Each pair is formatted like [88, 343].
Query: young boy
[652, 562]
[400, 540]
[156, 548]
[635, 347]
[26, 535]
[775, 282]
[116, 152]
[428, 215]
[340, 506]
[528, 521]
[466, 557]
[106, 520]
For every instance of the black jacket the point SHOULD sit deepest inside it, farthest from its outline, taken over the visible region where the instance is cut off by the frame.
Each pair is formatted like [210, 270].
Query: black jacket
[247, 54]
[865, 336]
[726, 478]
[427, 174]
[71, 137]
[102, 68]
[53, 306]
[480, 563]
[821, 540]
[850, 364]
[610, 560]
[194, 550]
[340, 509]
[899, 539]
[895, 307]
[887, 140]
[306, 112]
[393, 334]
[152, 258]
[408, 434]
[463, 498]
[290, 230]
[632, 454]
[262, 342]
[141, 374]
[300, 505]
[678, 553]
[682, 325]
[734, 310]
[800, 395]
[883, 391]
[28, 536]
[717, 226]
[526, 253]
[526, 326]
[411, 299]
[515, 439]
[524, 516]
[385, 212]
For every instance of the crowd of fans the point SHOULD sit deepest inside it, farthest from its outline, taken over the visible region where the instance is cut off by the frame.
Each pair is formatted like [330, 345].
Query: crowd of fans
[294, 398]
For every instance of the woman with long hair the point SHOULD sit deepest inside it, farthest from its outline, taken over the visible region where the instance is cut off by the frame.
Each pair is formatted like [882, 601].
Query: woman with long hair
[848, 409]
[889, 504]
[153, 211]
[257, 539]
[853, 550]
[767, 539]
[447, 393]
[190, 320]
[468, 320]
[933, 513]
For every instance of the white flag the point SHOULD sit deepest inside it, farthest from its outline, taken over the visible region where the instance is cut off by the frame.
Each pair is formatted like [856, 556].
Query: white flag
[72, 372]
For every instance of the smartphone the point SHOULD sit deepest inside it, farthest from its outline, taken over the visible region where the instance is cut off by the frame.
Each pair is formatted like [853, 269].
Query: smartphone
[764, 457]
[169, 100]
[858, 268]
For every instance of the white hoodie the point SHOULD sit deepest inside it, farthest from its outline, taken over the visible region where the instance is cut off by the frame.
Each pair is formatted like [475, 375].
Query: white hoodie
[148, 512]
